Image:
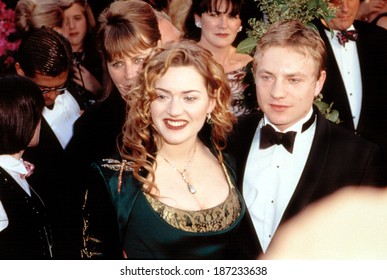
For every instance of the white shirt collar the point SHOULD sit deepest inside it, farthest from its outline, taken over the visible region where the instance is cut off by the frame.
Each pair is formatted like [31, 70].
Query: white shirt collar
[10, 163]
[15, 168]
[295, 127]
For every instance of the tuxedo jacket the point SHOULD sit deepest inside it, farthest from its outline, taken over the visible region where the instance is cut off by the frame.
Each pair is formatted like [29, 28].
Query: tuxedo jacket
[55, 185]
[337, 158]
[96, 132]
[372, 53]
[47, 157]
[28, 234]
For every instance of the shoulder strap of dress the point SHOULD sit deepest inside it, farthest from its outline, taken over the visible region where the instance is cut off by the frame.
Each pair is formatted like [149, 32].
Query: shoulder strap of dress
[375, 20]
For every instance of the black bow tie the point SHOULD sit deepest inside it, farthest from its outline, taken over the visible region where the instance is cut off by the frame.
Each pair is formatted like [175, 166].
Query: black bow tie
[270, 137]
[345, 36]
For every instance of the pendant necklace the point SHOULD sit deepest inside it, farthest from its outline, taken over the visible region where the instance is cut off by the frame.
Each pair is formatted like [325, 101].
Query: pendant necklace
[191, 188]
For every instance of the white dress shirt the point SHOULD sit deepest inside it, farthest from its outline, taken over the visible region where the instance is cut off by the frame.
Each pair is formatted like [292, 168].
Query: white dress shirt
[15, 168]
[348, 61]
[62, 117]
[271, 176]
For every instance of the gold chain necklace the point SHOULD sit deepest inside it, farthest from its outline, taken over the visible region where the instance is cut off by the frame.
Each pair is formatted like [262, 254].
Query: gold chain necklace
[191, 188]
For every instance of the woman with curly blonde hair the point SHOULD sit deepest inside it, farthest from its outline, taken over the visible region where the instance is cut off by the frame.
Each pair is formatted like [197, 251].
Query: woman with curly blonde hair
[171, 191]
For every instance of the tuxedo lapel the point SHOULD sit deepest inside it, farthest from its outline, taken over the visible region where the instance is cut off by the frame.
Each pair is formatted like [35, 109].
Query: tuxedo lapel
[334, 89]
[243, 137]
[48, 138]
[313, 170]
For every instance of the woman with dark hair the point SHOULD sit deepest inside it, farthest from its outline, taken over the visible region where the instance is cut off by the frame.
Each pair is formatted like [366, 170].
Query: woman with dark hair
[217, 25]
[24, 228]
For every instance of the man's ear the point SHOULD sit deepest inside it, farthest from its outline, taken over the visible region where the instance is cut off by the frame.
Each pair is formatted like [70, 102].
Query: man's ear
[19, 70]
[320, 83]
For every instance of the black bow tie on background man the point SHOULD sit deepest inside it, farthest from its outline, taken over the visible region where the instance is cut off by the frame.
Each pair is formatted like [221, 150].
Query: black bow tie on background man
[344, 36]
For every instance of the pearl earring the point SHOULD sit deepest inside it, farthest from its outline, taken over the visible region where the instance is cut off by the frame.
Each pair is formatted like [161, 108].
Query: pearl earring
[240, 29]
[198, 24]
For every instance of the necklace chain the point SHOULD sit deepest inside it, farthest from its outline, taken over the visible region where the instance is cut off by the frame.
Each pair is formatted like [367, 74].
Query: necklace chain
[191, 188]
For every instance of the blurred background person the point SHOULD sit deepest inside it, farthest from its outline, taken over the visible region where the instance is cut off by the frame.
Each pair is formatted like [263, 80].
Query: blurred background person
[31, 14]
[373, 11]
[169, 32]
[79, 27]
[350, 224]
[356, 72]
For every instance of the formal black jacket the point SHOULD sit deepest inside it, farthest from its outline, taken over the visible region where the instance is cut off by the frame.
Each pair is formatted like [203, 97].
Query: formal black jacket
[55, 185]
[337, 158]
[28, 234]
[96, 131]
[372, 52]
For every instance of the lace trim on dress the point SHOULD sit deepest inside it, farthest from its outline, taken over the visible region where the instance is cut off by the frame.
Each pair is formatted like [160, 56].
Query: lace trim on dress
[213, 219]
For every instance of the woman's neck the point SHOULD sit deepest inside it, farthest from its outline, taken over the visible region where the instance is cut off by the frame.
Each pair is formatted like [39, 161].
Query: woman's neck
[221, 55]
[77, 48]
[178, 152]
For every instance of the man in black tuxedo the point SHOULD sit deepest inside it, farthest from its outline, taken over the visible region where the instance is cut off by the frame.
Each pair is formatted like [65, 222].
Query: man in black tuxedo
[45, 57]
[356, 72]
[289, 155]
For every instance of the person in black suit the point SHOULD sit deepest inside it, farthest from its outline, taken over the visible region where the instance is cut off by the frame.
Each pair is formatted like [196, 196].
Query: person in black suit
[45, 57]
[24, 228]
[356, 80]
[289, 155]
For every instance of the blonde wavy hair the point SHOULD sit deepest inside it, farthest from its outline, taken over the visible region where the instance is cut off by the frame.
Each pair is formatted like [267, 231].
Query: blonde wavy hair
[140, 137]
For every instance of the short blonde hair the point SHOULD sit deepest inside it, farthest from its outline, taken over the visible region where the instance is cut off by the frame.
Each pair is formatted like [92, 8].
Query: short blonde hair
[296, 35]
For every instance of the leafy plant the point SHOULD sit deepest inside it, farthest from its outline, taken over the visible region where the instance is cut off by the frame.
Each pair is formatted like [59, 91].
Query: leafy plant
[327, 109]
[304, 11]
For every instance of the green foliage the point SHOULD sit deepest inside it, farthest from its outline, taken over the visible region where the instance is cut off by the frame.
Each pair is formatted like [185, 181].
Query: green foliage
[304, 11]
[327, 109]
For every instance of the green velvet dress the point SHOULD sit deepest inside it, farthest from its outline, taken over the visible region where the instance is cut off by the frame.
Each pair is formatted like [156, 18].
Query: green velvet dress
[145, 228]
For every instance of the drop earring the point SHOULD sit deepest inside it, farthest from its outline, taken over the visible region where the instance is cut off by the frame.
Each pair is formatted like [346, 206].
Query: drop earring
[198, 24]
[208, 120]
[240, 29]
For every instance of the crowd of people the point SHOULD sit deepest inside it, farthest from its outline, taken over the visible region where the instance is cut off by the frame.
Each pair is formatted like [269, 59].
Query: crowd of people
[134, 130]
